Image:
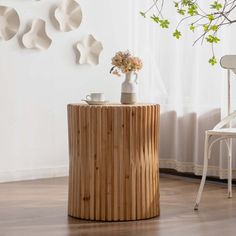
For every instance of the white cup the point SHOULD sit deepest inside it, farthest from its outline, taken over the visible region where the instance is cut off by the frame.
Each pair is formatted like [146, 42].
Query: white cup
[98, 97]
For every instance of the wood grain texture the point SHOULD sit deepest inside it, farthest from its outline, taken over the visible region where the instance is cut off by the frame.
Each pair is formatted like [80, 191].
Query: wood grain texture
[113, 152]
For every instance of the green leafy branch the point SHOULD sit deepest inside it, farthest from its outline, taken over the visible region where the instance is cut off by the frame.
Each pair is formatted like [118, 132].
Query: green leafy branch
[206, 22]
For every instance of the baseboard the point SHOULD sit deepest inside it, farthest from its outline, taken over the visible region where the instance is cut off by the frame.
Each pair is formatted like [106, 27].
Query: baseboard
[30, 174]
[60, 171]
[191, 167]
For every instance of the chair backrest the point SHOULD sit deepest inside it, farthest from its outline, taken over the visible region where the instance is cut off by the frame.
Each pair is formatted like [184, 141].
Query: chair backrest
[228, 62]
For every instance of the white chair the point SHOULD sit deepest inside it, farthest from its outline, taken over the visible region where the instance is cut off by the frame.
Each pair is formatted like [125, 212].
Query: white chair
[222, 131]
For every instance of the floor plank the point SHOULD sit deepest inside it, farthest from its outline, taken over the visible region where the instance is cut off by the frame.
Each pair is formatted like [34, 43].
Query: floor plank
[39, 207]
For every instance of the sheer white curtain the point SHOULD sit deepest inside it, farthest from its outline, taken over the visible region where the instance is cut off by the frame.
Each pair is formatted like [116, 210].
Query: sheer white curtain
[190, 91]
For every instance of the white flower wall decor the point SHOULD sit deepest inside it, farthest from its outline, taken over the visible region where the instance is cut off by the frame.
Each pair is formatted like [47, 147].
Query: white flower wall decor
[89, 50]
[9, 22]
[68, 15]
[37, 37]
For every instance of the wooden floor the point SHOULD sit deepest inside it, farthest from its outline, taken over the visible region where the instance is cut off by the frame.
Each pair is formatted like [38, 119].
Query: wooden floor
[39, 207]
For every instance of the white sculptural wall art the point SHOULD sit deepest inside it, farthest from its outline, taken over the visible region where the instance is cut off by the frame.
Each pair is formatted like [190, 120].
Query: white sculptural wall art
[9, 22]
[68, 15]
[89, 50]
[37, 37]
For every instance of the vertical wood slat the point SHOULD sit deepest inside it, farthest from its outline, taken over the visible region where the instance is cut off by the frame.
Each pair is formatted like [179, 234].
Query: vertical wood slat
[121, 169]
[70, 126]
[113, 153]
[147, 161]
[82, 167]
[103, 167]
[87, 167]
[138, 166]
[98, 164]
[152, 120]
[74, 155]
[92, 141]
[116, 164]
[142, 164]
[78, 151]
[157, 143]
[150, 163]
[133, 158]
[76, 161]
[126, 158]
[109, 168]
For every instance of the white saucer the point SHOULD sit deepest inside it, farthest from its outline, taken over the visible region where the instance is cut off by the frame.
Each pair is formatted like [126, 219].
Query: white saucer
[95, 102]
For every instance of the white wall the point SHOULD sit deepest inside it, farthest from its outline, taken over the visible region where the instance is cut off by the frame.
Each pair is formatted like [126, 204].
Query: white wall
[35, 87]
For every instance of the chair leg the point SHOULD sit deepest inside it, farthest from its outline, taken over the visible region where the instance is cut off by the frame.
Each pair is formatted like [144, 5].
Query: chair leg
[206, 152]
[230, 169]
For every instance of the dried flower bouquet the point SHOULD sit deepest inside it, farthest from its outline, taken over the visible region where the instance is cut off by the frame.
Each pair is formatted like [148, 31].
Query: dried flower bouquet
[124, 62]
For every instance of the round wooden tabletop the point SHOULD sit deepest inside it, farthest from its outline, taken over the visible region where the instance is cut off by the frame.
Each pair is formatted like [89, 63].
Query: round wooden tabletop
[115, 105]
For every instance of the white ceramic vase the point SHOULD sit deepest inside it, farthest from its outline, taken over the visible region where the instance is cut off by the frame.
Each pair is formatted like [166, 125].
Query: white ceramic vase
[129, 88]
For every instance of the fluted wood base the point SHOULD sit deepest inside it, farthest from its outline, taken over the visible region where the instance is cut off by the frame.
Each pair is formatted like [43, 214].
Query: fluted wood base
[114, 173]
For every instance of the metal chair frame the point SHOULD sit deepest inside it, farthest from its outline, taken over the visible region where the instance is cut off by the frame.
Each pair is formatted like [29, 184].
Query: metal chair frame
[219, 133]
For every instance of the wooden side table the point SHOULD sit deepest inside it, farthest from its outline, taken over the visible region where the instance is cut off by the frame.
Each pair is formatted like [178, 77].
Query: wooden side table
[113, 153]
